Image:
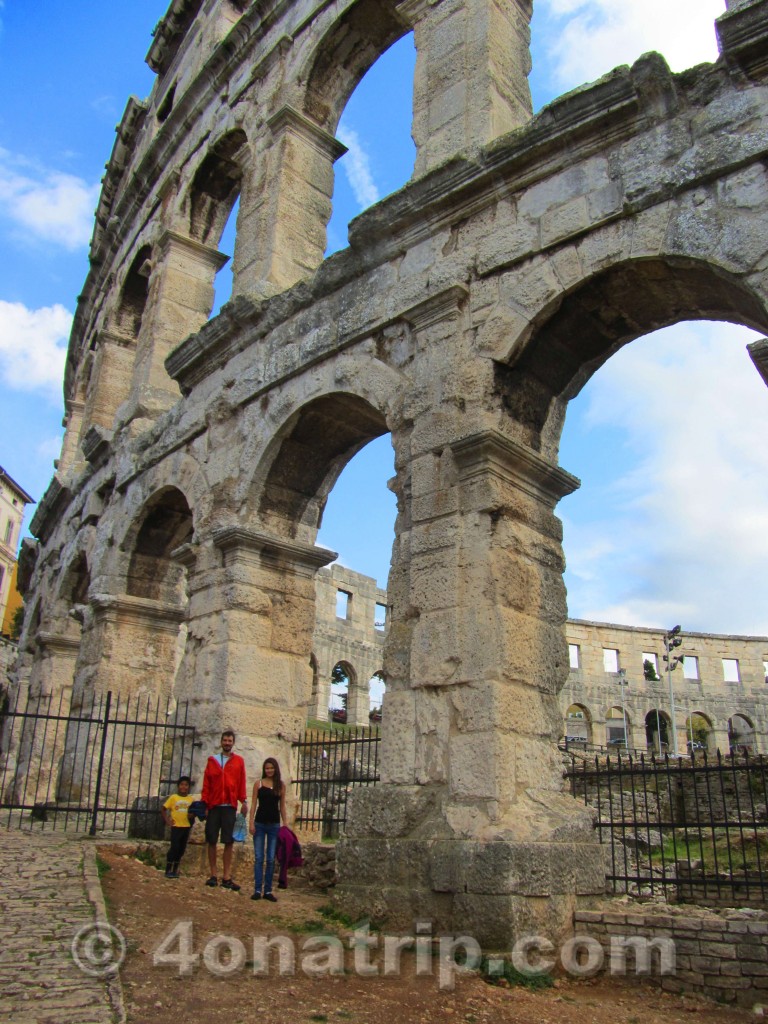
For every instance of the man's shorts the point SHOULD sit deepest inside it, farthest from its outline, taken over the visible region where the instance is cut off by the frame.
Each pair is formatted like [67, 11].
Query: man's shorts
[220, 819]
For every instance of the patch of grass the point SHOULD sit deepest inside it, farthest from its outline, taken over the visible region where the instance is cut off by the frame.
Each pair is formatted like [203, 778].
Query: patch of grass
[318, 1017]
[338, 917]
[309, 925]
[101, 866]
[511, 976]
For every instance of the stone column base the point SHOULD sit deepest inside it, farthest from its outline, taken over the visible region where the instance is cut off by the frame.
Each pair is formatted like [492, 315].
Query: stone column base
[496, 888]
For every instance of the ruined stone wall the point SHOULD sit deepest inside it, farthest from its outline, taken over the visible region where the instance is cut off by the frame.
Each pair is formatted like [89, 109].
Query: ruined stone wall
[176, 545]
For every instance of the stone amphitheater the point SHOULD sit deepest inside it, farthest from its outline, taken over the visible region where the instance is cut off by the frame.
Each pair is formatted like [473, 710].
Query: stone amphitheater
[175, 548]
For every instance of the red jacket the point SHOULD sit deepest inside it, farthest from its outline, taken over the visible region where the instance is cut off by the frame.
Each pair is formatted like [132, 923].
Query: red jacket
[224, 786]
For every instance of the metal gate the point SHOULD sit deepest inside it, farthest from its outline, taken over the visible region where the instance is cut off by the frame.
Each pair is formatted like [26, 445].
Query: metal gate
[104, 764]
[329, 765]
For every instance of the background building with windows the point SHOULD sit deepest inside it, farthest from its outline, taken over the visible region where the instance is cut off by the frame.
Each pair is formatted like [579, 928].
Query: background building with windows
[13, 500]
[617, 692]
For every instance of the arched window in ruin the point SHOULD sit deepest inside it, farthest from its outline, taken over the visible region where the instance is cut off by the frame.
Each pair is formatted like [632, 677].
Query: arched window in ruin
[375, 128]
[166, 525]
[698, 733]
[343, 679]
[657, 731]
[134, 294]
[377, 685]
[618, 731]
[215, 187]
[578, 726]
[741, 735]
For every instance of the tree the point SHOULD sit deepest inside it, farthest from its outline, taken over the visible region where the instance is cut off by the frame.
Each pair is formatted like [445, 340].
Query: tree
[649, 671]
[16, 622]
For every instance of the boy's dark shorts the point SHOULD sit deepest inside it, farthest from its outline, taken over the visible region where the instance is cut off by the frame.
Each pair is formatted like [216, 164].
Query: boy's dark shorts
[220, 819]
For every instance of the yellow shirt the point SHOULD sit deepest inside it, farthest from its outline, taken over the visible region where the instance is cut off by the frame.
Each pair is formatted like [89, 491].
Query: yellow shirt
[178, 805]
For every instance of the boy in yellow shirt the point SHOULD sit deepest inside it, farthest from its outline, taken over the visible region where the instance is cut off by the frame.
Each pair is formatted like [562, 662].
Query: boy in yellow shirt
[175, 812]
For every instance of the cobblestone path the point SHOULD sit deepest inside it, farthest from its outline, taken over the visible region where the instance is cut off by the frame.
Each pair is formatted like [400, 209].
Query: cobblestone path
[49, 890]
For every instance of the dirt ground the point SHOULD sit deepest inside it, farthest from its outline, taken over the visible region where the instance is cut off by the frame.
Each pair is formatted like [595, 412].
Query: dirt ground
[146, 907]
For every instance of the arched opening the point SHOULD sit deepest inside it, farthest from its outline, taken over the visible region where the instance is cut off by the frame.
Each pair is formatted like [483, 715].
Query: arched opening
[657, 731]
[578, 727]
[376, 130]
[741, 735]
[313, 449]
[216, 186]
[698, 733]
[343, 679]
[133, 297]
[166, 524]
[617, 729]
[377, 685]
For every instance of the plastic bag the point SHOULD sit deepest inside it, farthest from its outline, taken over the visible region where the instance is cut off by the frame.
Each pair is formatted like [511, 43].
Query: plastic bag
[240, 831]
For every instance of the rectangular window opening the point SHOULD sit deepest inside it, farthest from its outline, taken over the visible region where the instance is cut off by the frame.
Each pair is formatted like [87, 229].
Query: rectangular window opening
[730, 670]
[574, 655]
[343, 599]
[610, 659]
[380, 617]
[691, 667]
[650, 665]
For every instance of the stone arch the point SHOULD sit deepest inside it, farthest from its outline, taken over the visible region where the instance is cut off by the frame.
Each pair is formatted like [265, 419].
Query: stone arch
[658, 731]
[165, 524]
[741, 733]
[215, 187]
[338, 61]
[307, 457]
[699, 732]
[134, 293]
[578, 725]
[348, 697]
[578, 330]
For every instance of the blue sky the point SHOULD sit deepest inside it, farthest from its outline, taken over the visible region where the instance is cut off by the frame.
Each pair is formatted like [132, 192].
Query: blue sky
[671, 522]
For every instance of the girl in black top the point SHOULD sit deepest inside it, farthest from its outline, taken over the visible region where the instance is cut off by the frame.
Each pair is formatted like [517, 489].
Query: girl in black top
[267, 811]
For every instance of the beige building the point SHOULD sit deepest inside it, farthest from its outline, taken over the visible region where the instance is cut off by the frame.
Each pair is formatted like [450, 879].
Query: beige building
[175, 551]
[617, 675]
[13, 500]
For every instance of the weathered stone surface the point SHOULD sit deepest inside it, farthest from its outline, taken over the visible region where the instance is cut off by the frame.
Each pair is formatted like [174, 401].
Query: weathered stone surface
[468, 309]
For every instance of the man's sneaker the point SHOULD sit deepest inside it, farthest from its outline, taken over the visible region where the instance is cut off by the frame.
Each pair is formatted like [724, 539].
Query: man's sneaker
[270, 897]
[170, 874]
[256, 896]
[227, 883]
[213, 881]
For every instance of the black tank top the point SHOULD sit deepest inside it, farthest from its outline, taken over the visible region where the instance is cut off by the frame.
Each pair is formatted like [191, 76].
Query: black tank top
[268, 810]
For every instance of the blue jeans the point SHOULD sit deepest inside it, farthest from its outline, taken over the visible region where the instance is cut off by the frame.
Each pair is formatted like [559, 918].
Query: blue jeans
[264, 833]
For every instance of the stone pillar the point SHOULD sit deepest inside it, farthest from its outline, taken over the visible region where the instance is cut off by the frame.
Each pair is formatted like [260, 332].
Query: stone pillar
[284, 212]
[470, 827]
[181, 299]
[471, 79]
[73, 424]
[251, 618]
[110, 382]
[129, 645]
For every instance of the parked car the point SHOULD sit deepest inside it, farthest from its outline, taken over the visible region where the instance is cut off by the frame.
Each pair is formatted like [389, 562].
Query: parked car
[374, 715]
[338, 715]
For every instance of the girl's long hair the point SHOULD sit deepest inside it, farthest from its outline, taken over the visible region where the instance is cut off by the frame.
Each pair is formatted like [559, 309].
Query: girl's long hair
[277, 782]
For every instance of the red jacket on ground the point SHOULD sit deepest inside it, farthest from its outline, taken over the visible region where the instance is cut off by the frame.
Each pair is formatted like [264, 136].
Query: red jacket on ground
[224, 785]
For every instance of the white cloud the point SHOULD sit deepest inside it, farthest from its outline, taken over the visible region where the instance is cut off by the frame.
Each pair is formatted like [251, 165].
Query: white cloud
[681, 532]
[53, 206]
[33, 347]
[358, 169]
[587, 38]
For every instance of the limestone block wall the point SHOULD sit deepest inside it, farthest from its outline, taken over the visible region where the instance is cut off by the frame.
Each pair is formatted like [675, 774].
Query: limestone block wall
[700, 687]
[355, 638]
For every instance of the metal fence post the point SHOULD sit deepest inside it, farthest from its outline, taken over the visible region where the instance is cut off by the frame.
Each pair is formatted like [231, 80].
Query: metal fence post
[100, 769]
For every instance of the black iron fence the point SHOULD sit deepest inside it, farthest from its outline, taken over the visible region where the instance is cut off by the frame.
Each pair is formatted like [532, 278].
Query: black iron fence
[104, 764]
[694, 829]
[329, 764]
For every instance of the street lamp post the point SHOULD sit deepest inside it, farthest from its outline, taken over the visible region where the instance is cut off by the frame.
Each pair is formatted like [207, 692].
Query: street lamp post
[672, 640]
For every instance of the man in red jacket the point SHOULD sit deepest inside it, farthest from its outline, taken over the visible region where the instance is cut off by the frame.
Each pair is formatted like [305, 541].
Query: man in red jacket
[223, 788]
